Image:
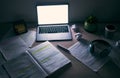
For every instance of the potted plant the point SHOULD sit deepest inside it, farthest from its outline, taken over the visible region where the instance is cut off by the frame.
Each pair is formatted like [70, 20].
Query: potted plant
[90, 24]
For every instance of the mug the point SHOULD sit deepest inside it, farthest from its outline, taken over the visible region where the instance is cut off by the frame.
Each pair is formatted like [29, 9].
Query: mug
[118, 43]
[110, 31]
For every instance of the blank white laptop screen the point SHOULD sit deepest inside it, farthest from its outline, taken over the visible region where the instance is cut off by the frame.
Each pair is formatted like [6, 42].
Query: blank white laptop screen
[53, 14]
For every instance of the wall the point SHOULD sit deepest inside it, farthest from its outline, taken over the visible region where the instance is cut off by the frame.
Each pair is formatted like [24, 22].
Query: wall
[12, 10]
[104, 10]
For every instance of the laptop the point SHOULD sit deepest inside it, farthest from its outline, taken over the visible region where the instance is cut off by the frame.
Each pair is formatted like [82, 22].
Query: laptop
[53, 23]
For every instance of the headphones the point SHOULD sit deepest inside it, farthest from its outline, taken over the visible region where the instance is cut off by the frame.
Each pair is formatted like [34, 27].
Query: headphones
[99, 48]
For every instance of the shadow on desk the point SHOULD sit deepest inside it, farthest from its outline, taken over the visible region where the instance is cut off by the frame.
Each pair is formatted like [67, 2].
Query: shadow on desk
[109, 70]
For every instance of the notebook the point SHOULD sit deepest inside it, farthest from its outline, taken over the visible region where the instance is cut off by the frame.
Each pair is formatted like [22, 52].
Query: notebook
[53, 23]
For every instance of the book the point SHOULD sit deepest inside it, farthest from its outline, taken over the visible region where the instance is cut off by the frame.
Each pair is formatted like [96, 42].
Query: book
[3, 73]
[2, 59]
[38, 62]
[28, 37]
[12, 47]
[24, 67]
[49, 57]
[115, 55]
[80, 50]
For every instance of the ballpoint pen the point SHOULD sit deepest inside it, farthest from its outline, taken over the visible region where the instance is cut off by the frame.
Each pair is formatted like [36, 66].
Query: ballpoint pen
[63, 48]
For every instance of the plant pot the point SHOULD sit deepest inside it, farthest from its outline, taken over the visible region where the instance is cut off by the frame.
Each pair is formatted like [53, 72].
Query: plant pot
[90, 27]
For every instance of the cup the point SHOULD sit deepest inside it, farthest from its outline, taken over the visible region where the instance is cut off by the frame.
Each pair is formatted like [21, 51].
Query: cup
[118, 43]
[75, 28]
[78, 36]
[110, 31]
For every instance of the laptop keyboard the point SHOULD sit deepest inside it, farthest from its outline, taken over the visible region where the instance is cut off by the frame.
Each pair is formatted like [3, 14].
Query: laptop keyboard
[53, 29]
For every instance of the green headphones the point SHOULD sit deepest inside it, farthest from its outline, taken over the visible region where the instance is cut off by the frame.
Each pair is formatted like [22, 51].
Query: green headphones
[100, 48]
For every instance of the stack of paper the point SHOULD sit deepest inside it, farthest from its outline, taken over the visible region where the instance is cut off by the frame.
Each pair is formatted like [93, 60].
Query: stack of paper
[80, 51]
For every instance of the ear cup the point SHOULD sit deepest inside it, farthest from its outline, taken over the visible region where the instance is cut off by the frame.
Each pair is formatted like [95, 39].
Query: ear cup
[104, 53]
[99, 48]
[91, 48]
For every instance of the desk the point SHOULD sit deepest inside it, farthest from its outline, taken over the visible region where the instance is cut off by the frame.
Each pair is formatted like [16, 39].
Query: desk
[78, 69]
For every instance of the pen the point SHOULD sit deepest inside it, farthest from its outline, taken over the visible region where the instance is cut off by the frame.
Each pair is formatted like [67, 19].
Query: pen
[63, 48]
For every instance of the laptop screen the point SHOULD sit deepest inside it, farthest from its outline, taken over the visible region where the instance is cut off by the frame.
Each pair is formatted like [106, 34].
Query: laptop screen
[52, 14]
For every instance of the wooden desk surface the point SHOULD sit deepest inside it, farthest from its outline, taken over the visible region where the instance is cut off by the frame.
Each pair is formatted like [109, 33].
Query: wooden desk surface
[78, 69]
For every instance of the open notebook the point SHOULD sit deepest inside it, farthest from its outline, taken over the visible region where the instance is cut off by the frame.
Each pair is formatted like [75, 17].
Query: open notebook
[53, 23]
[40, 61]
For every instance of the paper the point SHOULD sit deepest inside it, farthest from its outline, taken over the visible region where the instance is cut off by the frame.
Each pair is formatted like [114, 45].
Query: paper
[24, 67]
[115, 55]
[29, 37]
[3, 73]
[49, 57]
[80, 51]
[12, 47]
[2, 59]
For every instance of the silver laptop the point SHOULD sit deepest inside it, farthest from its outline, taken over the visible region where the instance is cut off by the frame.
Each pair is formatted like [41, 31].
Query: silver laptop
[53, 23]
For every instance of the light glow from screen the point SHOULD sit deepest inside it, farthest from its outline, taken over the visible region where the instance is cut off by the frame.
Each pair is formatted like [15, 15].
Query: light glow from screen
[52, 14]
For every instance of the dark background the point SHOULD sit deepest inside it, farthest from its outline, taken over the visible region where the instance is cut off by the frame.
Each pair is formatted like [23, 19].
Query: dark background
[106, 11]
